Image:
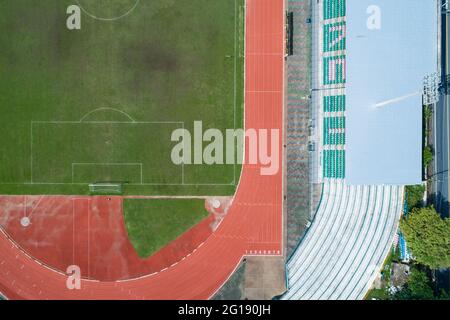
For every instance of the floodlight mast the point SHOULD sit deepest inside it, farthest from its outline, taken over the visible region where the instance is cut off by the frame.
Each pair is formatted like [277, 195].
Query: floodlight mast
[431, 85]
[445, 6]
[430, 93]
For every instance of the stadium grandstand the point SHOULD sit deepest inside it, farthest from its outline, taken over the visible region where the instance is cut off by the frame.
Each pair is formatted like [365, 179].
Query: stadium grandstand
[367, 106]
[348, 241]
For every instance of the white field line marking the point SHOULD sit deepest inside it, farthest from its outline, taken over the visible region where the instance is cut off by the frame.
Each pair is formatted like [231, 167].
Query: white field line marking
[265, 54]
[184, 184]
[88, 232]
[116, 164]
[236, 13]
[73, 231]
[100, 122]
[35, 206]
[89, 238]
[264, 91]
[168, 197]
[31, 152]
[109, 109]
[241, 40]
[182, 165]
[93, 122]
[132, 184]
[108, 19]
[24, 204]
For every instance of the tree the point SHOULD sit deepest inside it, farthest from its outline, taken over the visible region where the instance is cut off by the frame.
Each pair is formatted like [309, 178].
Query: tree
[414, 196]
[428, 113]
[427, 156]
[444, 295]
[419, 287]
[428, 237]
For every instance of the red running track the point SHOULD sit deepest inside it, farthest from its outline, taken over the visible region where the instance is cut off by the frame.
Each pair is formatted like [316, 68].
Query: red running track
[89, 232]
[253, 224]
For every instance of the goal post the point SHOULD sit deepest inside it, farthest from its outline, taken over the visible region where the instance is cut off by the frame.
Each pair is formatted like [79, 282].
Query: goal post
[106, 188]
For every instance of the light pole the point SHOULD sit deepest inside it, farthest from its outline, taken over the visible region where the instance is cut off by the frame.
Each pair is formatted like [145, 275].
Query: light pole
[432, 177]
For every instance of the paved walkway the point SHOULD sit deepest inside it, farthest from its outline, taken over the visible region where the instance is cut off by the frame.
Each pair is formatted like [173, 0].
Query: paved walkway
[297, 135]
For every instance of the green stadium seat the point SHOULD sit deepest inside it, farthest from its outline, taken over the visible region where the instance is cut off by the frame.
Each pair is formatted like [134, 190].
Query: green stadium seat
[333, 9]
[334, 164]
[334, 37]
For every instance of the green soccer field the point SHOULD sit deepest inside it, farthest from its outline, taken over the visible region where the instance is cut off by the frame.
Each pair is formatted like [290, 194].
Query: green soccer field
[99, 104]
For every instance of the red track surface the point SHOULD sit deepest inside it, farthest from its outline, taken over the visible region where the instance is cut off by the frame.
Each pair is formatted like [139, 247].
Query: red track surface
[253, 224]
[89, 232]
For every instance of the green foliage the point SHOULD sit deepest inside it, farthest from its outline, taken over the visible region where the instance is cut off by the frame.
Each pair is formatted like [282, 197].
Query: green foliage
[414, 196]
[428, 237]
[419, 287]
[378, 294]
[427, 156]
[443, 295]
[428, 112]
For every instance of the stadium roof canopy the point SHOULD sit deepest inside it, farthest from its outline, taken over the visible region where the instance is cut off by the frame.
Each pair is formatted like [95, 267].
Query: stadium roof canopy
[387, 66]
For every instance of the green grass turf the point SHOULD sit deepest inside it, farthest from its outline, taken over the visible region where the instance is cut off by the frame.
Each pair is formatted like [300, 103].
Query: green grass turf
[166, 61]
[152, 224]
